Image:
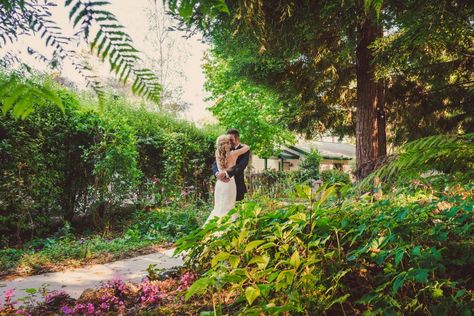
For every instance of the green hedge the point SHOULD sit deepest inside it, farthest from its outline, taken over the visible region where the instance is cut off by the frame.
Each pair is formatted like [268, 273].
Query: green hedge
[56, 165]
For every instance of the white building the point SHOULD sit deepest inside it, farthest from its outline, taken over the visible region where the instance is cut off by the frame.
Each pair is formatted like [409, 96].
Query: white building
[336, 155]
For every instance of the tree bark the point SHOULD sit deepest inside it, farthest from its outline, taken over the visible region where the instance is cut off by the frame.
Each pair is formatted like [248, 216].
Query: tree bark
[381, 126]
[370, 126]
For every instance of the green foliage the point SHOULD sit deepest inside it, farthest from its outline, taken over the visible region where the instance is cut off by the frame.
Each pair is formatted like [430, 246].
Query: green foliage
[175, 153]
[306, 52]
[143, 229]
[272, 183]
[252, 109]
[441, 155]
[58, 165]
[410, 252]
[21, 96]
[110, 42]
[334, 176]
[169, 224]
[309, 166]
[429, 62]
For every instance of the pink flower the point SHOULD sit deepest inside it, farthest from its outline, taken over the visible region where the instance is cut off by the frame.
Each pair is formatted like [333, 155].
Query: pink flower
[90, 309]
[79, 309]
[54, 294]
[150, 293]
[186, 280]
[104, 306]
[66, 310]
[8, 297]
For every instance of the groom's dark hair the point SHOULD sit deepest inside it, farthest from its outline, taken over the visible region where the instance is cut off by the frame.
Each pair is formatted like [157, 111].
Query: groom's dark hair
[234, 132]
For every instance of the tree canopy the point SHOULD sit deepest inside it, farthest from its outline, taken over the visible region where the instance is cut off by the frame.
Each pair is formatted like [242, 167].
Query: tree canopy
[351, 67]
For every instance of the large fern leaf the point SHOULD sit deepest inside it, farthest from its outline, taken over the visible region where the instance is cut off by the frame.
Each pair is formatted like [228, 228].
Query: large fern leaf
[446, 154]
[19, 97]
[111, 42]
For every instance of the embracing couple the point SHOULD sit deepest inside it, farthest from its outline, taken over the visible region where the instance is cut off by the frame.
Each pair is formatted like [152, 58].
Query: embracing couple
[232, 158]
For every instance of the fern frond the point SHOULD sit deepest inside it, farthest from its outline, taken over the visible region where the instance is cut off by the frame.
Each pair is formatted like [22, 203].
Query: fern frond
[92, 80]
[440, 153]
[111, 42]
[19, 97]
[9, 59]
[18, 17]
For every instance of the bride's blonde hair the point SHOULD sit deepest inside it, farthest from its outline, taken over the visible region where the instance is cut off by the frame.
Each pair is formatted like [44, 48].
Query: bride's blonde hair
[221, 153]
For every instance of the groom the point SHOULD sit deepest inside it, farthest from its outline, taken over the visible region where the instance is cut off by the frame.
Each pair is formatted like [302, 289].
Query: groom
[238, 170]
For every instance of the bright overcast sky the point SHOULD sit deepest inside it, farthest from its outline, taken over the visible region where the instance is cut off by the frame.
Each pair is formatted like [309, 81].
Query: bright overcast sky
[133, 15]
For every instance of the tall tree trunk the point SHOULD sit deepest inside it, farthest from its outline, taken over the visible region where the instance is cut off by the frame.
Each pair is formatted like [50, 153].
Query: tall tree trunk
[381, 126]
[369, 100]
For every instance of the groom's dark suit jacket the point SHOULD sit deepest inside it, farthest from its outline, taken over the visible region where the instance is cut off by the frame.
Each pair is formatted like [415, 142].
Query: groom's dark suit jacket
[238, 173]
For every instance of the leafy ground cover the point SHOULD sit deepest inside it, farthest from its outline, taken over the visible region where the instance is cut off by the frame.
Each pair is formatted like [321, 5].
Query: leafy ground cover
[409, 251]
[145, 232]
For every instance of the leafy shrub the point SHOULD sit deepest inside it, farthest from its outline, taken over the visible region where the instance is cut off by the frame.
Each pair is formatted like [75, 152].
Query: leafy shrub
[272, 183]
[406, 254]
[58, 165]
[309, 167]
[168, 224]
[333, 176]
[439, 156]
[174, 152]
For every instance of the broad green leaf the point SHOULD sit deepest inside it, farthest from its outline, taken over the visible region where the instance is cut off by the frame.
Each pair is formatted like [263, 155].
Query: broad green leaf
[295, 259]
[298, 217]
[303, 191]
[219, 257]
[253, 244]
[199, 286]
[421, 275]
[256, 259]
[437, 293]
[267, 245]
[234, 261]
[31, 291]
[261, 261]
[416, 251]
[398, 282]
[251, 294]
[399, 256]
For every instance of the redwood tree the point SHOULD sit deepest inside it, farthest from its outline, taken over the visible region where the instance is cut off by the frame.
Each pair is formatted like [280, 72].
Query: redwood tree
[332, 64]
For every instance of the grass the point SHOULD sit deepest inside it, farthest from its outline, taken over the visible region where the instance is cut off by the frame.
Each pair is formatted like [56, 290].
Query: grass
[145, 232]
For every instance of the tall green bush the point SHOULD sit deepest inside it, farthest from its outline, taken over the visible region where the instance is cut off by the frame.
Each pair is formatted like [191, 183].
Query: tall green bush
[56, 165]
[309, 166]
[174, 152]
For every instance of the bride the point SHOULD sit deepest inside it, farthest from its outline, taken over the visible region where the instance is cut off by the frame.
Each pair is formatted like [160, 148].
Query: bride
[225, 192]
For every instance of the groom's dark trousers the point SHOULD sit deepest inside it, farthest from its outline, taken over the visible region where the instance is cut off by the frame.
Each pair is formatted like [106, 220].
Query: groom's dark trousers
[238, 173]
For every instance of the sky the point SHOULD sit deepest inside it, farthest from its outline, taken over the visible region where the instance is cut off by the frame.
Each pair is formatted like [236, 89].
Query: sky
[133, 15]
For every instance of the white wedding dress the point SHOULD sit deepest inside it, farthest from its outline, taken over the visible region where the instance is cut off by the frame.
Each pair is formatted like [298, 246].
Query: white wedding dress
[225, 194]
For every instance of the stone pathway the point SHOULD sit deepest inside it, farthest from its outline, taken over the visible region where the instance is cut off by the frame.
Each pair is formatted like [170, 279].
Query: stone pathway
[74, 282]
